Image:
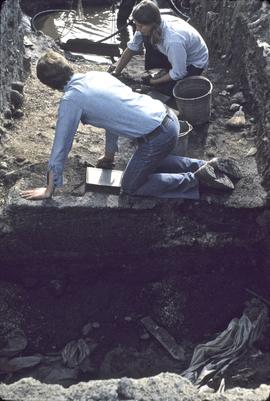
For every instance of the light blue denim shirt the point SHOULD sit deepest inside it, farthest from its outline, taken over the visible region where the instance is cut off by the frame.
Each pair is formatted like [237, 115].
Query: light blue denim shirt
[99, 99]
[180, 42]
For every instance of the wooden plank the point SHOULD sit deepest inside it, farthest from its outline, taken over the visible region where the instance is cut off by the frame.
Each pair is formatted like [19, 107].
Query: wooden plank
[89, 47]
[164, 338]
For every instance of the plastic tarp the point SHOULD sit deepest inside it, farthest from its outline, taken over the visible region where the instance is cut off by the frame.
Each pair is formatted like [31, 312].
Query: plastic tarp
[216, 356]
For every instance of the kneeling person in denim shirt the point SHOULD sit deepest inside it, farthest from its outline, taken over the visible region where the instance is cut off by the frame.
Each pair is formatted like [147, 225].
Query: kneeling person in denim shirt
[99, 99]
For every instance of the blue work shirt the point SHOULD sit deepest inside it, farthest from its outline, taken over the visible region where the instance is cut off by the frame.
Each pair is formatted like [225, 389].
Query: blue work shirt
[99, 99]
[180, 42]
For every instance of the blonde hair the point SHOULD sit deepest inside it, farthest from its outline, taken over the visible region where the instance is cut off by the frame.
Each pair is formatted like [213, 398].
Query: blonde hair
[53, 70]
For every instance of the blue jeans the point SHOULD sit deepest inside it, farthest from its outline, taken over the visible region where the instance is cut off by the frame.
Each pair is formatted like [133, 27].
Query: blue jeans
[152, 171]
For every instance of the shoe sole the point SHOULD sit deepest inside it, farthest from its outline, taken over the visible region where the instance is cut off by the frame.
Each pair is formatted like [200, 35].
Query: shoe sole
[207, 176]
[227, 166]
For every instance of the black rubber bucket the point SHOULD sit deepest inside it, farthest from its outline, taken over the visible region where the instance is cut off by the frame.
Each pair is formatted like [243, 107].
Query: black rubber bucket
[193, 97]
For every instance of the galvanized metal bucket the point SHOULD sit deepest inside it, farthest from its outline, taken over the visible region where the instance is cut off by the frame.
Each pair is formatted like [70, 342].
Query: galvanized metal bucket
[183, 137]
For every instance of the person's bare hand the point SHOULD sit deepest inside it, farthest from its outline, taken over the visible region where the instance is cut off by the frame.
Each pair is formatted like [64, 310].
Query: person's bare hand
[36, 194]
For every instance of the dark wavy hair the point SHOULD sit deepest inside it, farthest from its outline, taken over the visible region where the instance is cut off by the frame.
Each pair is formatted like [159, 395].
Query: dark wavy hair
[53, 70]
[147, 13]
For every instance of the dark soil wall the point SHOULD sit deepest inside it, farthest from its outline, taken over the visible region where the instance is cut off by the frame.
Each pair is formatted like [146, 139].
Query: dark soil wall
[11, 49]
[239, 30]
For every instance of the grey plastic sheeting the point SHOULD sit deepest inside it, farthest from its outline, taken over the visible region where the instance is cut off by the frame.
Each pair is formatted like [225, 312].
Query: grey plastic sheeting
[214, 357]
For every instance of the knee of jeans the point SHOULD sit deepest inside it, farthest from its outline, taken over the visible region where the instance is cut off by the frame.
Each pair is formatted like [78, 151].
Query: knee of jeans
[128, 187]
